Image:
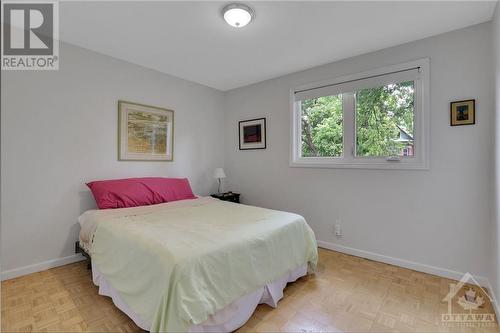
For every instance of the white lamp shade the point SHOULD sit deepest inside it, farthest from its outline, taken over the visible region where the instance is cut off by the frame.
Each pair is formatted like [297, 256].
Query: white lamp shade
[219, 173]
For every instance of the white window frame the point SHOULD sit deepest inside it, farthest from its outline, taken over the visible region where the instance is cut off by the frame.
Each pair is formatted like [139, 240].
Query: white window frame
[420, 161]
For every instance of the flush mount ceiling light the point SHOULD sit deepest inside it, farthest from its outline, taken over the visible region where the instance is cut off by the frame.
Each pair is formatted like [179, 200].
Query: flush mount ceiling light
[237, 14]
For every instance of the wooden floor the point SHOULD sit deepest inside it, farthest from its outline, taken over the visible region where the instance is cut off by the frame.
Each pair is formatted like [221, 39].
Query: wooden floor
[347, 294]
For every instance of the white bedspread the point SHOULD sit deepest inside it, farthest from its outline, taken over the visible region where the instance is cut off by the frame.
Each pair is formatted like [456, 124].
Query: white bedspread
[176, 264]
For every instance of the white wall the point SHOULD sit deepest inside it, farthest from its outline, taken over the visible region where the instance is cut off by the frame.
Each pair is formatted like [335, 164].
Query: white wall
[59, 130]
[439, 217]
[495, 232]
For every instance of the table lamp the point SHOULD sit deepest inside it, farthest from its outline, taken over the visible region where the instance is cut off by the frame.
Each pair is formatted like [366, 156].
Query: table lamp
[219, 174]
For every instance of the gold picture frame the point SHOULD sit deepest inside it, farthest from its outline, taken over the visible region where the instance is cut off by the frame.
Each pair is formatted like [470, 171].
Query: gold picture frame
[145, 132]
[463, 112]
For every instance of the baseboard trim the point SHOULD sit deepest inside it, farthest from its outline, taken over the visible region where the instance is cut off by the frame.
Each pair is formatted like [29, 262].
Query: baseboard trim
[42, 266]
[443, 272]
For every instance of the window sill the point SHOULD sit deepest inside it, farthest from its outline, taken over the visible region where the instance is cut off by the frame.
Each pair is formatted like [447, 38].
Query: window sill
[359, 165]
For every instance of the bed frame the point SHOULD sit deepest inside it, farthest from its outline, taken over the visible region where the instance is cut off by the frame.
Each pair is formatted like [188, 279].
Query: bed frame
[79, 249]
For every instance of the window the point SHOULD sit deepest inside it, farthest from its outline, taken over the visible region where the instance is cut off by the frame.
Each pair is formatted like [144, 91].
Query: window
[322, 127]
[375, 120]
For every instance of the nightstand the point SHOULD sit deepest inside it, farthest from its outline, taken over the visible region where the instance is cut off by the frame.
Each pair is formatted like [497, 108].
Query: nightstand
[228, 196]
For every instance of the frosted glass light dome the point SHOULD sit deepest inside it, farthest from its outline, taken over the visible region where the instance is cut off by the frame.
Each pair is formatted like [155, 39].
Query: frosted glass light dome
[237, 15]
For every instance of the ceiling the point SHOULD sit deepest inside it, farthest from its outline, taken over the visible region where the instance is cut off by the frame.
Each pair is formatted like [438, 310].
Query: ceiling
[190, 40]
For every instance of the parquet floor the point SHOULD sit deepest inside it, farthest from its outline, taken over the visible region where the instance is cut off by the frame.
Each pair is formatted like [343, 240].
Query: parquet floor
[347, 294]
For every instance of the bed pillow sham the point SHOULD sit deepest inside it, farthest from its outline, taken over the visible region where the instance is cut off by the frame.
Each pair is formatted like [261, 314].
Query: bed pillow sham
[133, 192]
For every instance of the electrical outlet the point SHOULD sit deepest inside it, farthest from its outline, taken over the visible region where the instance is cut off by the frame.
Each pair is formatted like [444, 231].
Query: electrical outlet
[338, 229]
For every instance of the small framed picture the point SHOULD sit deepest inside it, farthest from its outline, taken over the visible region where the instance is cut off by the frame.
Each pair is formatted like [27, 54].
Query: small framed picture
[463, 112]
[252, 134]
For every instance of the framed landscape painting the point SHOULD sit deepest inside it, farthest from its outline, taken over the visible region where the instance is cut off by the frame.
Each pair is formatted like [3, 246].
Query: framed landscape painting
[145, 133]
[252, 134]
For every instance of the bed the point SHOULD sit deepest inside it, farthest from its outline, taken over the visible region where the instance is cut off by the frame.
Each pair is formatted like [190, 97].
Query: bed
[195, 265]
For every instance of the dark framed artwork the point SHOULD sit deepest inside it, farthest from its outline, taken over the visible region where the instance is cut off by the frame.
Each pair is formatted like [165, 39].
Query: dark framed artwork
[252, 134]
[463, 112]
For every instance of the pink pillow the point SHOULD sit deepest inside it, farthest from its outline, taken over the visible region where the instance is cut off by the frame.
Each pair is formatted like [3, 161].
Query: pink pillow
[133, 192]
